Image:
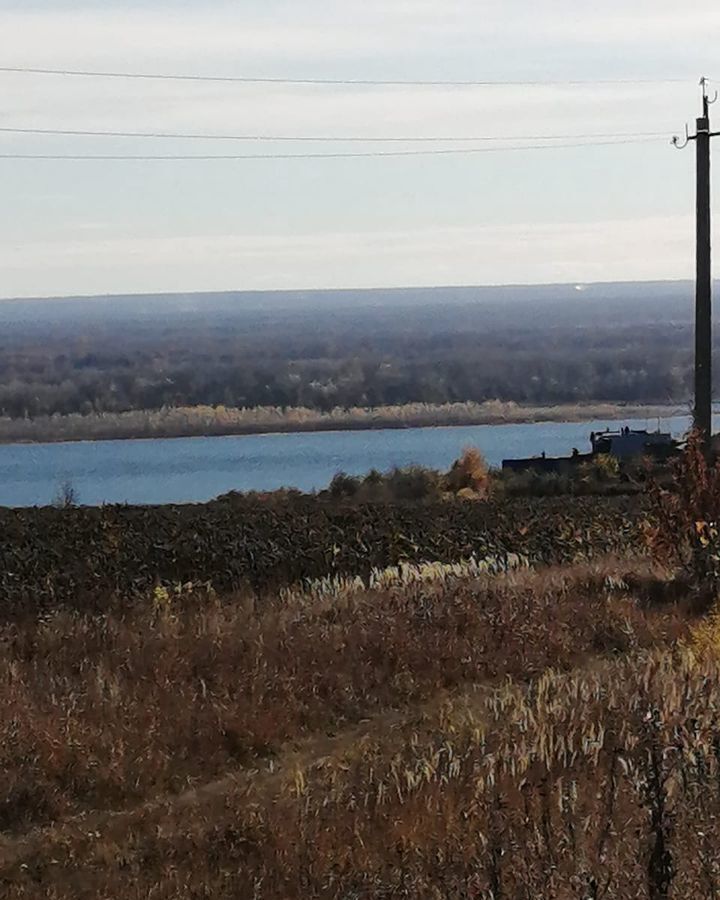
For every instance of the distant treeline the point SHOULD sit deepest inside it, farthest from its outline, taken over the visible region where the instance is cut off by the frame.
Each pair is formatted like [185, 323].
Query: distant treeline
[435, 353]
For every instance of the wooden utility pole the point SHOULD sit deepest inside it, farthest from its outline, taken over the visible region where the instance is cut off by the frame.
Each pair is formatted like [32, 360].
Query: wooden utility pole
[703, 285]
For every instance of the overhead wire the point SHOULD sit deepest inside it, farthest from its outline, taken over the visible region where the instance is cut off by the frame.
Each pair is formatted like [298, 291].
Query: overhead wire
[325, 138]
[552, 141]
[349, 82]
[456, 151]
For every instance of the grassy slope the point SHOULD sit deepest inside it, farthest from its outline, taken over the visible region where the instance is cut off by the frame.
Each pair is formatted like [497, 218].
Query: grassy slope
[409, 741]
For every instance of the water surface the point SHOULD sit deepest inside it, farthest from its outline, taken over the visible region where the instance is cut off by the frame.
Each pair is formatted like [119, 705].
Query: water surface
[198, 469]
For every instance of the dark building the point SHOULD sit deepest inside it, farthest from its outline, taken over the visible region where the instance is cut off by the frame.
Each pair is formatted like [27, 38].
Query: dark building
[626, 443]
[623, 444]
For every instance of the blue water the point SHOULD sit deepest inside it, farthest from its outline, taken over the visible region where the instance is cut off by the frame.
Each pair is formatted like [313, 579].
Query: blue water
[198, 469]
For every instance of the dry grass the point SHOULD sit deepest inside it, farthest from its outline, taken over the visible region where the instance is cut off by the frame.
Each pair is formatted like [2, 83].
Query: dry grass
[193, 747]
[602, 780]
[191, 421]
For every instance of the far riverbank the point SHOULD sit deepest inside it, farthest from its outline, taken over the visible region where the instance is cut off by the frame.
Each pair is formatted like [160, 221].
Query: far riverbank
[203, 421]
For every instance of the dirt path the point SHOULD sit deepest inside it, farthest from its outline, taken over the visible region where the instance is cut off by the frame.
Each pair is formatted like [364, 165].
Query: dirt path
[96, 840]
[72, 842]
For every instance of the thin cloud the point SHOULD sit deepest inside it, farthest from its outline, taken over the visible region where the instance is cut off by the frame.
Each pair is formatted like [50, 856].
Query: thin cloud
[361, 223]
[525, 252]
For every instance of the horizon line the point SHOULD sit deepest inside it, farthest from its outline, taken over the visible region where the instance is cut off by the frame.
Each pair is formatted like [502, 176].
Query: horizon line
[351, 289]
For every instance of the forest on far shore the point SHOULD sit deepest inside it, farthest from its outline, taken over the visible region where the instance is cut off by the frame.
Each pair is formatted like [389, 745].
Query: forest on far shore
[629, 344]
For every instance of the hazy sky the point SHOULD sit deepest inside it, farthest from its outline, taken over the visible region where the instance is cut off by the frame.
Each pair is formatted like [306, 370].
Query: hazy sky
[601, 213]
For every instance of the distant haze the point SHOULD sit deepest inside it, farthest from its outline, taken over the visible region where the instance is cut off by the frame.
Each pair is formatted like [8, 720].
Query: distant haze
[620, 302]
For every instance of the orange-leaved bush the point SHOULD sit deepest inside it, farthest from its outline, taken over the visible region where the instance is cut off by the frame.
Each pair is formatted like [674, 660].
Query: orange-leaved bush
[470, 475]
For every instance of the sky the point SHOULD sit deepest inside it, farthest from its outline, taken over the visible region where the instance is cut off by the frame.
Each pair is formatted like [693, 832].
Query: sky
[603, 213]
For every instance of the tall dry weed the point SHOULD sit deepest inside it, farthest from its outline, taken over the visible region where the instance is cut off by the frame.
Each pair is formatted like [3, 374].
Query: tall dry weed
[684, 526]
[110, 709]
[596, 783]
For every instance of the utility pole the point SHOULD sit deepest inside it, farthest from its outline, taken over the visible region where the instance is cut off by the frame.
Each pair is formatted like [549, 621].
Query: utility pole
[703, 283]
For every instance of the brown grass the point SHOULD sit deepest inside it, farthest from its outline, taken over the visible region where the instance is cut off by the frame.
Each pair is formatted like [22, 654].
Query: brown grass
[198, 747]
[196, 421]
[573, 782]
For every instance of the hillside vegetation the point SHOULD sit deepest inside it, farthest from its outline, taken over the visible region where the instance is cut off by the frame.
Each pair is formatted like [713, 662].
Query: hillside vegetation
[476, 699]
[447, 733]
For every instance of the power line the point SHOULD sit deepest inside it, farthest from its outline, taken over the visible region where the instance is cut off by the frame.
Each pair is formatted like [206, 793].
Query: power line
[360, 82]
[280, 156]
[66, 132]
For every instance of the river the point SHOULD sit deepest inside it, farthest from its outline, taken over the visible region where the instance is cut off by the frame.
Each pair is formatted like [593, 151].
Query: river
[197, 469]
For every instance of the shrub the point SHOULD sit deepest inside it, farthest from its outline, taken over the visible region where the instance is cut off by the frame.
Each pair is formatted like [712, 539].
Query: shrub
[684, 528]
[470, 473]
[414, 483]
[532, 483]
[605, 467]
[343, 486]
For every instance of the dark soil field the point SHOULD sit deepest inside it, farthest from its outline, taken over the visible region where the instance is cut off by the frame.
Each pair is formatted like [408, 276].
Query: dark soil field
[85, 557]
